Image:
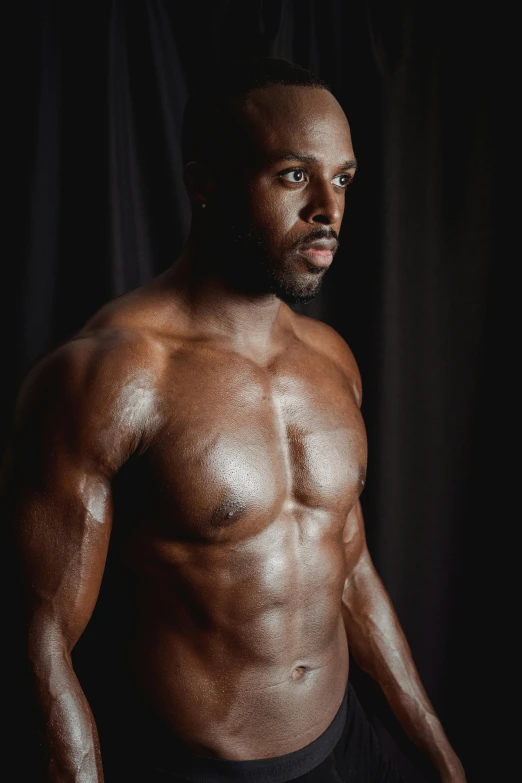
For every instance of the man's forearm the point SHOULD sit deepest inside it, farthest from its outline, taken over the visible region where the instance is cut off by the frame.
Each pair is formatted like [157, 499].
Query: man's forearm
[71, 737]
[379, 647]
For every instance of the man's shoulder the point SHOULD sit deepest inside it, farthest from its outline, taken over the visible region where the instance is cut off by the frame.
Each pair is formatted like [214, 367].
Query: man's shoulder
[88, 376]
[95, 394]
[126, 333]
[322, 338]
[96, 355]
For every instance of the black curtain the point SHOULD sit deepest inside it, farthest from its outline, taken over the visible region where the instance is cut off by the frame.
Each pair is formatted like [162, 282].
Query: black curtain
[97, 207]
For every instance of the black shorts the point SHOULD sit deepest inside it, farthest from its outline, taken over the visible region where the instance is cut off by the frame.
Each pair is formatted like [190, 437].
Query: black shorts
[347, 752]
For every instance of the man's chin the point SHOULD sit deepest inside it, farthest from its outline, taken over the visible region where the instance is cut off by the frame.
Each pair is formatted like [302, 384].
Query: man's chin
[293, 293]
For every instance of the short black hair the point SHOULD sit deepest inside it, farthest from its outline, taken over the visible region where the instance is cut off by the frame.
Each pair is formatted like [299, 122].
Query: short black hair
[208, 117]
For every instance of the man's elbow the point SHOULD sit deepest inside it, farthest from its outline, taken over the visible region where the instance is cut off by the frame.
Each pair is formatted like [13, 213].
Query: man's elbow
[47, 648]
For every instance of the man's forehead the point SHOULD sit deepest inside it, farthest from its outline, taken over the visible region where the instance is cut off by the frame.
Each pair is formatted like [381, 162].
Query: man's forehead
[289, 117]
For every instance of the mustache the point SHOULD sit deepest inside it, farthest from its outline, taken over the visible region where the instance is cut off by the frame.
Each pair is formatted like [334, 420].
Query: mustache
[315, 236]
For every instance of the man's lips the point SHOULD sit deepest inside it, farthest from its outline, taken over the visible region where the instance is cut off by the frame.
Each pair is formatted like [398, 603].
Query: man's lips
[320, 253]
[319, 258]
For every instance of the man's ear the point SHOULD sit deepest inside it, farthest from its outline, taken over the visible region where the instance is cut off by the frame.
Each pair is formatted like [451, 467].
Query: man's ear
[200, 183]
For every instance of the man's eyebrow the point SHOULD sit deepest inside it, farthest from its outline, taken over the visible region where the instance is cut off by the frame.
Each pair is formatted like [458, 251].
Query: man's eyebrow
[351, 163]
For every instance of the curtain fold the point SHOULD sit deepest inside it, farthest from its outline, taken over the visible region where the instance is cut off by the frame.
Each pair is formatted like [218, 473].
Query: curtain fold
[131, 256]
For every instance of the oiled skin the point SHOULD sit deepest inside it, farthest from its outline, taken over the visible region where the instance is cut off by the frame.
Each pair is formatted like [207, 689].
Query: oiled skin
[251, 571]
[252, 482]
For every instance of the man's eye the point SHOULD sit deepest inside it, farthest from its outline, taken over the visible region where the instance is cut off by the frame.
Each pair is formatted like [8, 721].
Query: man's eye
[344, 180]
[295, 175]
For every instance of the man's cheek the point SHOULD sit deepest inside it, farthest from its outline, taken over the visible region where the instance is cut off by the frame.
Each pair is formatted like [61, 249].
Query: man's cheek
[280, 214]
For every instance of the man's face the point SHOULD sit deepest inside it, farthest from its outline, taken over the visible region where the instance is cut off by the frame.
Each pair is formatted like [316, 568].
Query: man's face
[285, 201]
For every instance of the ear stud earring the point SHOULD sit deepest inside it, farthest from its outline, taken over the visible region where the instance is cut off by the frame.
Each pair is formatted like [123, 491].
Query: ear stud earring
[203, 206]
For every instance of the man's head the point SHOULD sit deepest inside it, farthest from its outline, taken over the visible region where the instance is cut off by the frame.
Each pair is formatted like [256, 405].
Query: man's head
[268, 152]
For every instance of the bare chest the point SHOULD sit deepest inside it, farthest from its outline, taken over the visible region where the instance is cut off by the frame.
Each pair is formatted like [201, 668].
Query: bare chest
[242, 446]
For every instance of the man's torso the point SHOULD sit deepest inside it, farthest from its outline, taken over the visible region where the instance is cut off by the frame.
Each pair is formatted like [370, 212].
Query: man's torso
[235, 558]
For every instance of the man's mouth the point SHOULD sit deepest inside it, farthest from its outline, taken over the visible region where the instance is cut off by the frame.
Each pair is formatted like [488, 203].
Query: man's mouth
[319, 258]
[319, 253]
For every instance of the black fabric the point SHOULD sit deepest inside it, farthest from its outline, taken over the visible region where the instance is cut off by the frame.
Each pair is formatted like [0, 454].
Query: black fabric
[347, 752]
[97, 206]
[178, 763]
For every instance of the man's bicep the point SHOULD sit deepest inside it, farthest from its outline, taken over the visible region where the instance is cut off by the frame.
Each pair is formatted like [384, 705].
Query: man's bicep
[57, 486]
[354, 538]
[62, 536]
[360, 573]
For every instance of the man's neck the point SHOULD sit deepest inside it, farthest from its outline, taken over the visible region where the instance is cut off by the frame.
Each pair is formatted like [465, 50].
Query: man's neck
[212, 305]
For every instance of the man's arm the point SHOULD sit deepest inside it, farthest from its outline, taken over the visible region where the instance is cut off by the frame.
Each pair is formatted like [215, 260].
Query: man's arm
[71, 435]
[379, 647]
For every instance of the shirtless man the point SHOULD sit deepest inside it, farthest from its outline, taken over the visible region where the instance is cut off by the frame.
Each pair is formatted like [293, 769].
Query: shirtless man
[248, 575]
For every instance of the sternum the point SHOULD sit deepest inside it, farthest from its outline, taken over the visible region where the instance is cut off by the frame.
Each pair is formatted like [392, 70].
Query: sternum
[283, 437]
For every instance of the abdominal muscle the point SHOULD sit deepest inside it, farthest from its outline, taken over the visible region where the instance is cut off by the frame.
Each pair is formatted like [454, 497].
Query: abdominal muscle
[235, 673]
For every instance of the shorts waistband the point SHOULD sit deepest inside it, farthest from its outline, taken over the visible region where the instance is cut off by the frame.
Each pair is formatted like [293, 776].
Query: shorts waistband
[276, 769]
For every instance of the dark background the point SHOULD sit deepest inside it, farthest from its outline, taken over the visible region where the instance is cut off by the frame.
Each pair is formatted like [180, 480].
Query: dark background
[97, 207]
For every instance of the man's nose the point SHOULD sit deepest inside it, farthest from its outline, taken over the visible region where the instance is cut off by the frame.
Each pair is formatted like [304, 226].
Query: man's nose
[324, 205]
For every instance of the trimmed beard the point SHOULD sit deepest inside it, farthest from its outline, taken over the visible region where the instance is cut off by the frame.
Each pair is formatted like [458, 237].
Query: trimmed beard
[248, 266]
